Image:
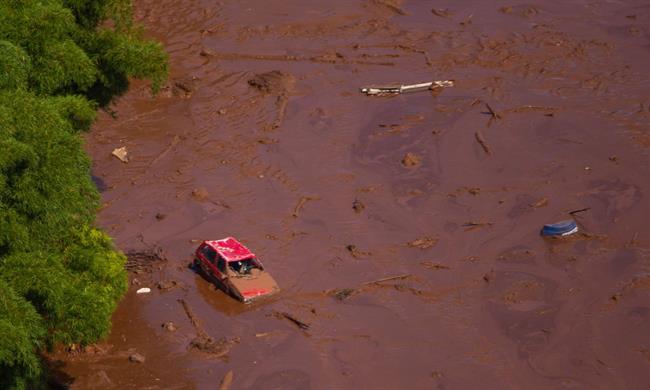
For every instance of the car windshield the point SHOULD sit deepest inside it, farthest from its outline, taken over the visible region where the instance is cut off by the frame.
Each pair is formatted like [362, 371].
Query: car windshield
[244, 267]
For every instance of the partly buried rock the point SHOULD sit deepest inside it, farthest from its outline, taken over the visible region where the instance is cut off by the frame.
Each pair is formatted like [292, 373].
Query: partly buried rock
[358, 206]
[167, 284]
[169, 326]
[411, 160]
[136, 358]
[200, 194]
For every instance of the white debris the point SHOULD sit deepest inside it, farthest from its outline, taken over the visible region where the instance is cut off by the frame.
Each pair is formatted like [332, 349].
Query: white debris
[121, 153]
[390, 89]
[143, 290]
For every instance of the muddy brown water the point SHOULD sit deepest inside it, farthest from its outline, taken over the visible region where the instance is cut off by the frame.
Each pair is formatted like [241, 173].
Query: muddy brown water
[280, 163]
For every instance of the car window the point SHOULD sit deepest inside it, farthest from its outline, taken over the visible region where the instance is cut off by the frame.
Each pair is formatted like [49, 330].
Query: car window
[244, 266]
[209, 253]
[221, 265]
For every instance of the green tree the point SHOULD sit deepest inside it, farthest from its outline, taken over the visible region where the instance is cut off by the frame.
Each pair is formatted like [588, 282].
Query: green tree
[60, 278]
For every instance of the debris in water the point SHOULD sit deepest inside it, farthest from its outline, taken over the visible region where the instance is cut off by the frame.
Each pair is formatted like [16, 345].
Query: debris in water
[301, 203]
[143, 290]
[435, 266]
[387, 279]
[411, 160]
[492, 113]
[267, 141]
[294, 320]
[562, 228]
[200, 193]
[355, 252]
[540, 203]
[265, 334]
[169, 326]
[227, 380]
[487, 277]
[137, 358]
[342, 294]
[358, 206]
[193, 319]
[423, 243]
[203, 342]
[471, 225]
[121, 153]
[441, 12]
[394, 89]
[481, 140]
[579, 210]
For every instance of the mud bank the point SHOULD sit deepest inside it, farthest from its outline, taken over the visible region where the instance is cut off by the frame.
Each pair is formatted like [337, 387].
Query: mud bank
[549, 114]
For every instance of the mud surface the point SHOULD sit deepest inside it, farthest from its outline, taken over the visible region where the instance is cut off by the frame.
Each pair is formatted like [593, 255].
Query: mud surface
[262, 134]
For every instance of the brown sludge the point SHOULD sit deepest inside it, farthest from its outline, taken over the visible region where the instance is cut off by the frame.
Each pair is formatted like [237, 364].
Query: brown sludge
[495, 308]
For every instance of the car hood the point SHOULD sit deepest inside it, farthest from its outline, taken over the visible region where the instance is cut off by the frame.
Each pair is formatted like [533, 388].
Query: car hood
[257, 284]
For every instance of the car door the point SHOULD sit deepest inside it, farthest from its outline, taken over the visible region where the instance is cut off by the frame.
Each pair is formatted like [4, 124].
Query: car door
[209, 259]
[221, 268]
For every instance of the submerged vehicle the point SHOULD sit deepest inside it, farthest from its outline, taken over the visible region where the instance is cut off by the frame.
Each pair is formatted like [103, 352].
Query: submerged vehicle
[235, 269]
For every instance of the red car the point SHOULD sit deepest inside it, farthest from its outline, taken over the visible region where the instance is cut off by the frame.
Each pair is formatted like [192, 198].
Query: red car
[237, 270]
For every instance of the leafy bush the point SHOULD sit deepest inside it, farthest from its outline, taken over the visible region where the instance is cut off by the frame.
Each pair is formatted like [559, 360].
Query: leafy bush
[60, 278]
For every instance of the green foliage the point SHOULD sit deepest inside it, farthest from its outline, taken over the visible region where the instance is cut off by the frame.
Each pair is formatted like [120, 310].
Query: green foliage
[70, 53]
[22, 331]
[15, 65]
[90, 13]
[120, 55]
[60, 278]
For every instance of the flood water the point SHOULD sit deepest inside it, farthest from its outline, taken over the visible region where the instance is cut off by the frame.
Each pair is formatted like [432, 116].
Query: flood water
[262, 134]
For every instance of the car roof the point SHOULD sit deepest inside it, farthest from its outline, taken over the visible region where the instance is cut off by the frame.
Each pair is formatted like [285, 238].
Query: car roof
[230, 249]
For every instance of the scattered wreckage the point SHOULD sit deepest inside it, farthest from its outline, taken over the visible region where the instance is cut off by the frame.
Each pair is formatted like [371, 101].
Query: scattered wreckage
[395, 89]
